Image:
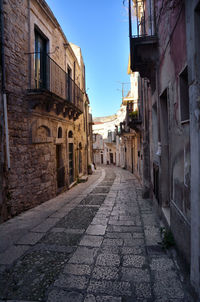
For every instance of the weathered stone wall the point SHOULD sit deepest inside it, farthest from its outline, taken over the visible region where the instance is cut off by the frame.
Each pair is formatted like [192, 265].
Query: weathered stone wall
[193, 56]
[174, 162]
[16, 45]
[32, 178]
[133, 154]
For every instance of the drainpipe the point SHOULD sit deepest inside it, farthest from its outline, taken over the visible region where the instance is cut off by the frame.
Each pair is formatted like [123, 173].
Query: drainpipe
[4, 88]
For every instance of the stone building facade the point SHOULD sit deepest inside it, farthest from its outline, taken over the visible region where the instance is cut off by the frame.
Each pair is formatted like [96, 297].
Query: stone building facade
[104, 137]
[129, 132]
[98, 149]
[48, 109]
[165, 53]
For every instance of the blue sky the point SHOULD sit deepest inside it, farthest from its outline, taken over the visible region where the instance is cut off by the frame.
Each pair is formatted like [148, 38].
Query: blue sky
[100, 28]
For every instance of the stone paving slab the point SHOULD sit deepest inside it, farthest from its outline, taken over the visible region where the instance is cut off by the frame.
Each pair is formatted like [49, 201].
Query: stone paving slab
[92, 298]
[105, 273]
[30, 238]
[110, 287]
[93, 199]
[143, 290]
[92, 241]
[58, 295]
[77, 269]
[72, 282]
[53, 248]
[13, 253]
[17, 301]
[60, 214]
[96, 229]
[68, 231]
[99, 221]
[108, 259]
[46, 225]
[78, 218]
[135, 274]
[84, 255]
[63, 239]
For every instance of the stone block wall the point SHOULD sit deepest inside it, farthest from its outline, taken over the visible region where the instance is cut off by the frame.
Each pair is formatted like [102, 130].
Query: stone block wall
[33, 133]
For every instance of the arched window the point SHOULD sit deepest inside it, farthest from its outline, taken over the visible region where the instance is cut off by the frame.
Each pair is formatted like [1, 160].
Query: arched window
[59, 132]
[70, 134]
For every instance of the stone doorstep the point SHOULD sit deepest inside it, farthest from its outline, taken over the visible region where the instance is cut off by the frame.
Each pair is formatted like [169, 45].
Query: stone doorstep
[72, 184]
[83, 178]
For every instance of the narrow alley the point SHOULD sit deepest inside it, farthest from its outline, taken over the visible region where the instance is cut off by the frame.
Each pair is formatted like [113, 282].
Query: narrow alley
[97, 242]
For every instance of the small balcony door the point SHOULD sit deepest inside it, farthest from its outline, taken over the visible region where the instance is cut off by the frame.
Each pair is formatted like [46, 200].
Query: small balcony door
[69, 84]
[40, 61]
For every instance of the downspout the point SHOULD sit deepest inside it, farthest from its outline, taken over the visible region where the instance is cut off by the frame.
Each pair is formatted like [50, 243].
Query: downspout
[4, 87]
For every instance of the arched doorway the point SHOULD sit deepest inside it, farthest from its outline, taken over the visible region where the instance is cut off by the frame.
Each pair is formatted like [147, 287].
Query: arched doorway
[59, 163]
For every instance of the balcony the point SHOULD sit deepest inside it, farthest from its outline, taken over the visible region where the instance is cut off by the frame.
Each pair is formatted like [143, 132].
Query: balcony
[143, 43]
[123, 129]
[135, 120]
[52, 87]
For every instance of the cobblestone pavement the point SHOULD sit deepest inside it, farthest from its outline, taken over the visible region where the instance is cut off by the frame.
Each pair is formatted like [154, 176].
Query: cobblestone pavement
[97, 242]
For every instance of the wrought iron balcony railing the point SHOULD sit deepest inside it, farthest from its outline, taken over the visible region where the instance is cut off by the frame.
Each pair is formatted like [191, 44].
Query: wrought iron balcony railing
[143, 38]
[47, 76]
[141, 19]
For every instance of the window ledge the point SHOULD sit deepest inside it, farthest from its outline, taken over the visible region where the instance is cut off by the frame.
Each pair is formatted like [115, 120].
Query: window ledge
[185, 122]
[41, 140]
[59, 141]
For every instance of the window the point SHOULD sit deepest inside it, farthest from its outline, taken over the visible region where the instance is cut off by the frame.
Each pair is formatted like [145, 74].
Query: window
[59, 132]
[69, 84]
[184, 95]
[40, 60]
[70, 134]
